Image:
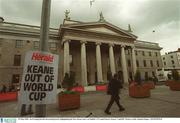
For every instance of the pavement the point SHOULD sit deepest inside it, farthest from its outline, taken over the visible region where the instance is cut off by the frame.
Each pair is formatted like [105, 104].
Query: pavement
[162, 103]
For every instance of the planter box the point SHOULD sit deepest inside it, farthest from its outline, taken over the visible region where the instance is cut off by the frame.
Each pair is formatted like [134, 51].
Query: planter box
[8, 96]
[174, 85]
[101, 87]
[139, 91]
[68, 101]
[149, 85]
[78, 89]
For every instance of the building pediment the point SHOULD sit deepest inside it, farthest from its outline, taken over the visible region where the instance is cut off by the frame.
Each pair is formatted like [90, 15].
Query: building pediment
[101, 27]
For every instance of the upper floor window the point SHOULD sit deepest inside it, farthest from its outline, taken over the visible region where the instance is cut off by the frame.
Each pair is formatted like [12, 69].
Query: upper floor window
[17, 60]
[144, 63]
[36, 45]
[163, 58]
[171, 56]
[149, 53]
[19, 43]
[143, 53]
[137, 63]
[156, 54]
[172, 61]
[157, 63]
[151, 62]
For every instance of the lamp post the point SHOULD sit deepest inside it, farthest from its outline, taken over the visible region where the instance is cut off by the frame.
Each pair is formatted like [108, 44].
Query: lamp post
[44, 36]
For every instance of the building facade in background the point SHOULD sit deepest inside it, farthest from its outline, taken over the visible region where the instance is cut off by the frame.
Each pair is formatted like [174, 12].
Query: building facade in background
[90, 51]
[171, 60]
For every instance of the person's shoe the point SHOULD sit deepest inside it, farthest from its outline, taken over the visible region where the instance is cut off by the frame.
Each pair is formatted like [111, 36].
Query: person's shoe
[107, 112]
[121, 109]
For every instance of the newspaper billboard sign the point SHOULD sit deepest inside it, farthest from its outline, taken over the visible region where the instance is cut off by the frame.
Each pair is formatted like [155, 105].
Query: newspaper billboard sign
[39, 80]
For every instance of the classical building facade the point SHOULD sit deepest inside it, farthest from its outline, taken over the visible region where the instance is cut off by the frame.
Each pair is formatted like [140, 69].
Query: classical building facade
[89, 51]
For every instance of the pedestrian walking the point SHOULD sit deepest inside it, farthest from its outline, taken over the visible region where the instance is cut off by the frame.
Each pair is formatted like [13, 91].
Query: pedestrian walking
[114, 87]
[4, 89]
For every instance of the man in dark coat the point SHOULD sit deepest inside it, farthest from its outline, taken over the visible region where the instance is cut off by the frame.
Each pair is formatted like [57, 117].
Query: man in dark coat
[113, 89]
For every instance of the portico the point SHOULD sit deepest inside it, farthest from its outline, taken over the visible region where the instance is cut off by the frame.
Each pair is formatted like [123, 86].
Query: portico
[101, 50]
[95, 49]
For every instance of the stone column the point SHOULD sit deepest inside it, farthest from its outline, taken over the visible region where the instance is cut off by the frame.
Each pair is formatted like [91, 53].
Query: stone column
[66, 57]
[111, 59]
[98, 63]
[83, 64]
[134, 61]
[124, 65]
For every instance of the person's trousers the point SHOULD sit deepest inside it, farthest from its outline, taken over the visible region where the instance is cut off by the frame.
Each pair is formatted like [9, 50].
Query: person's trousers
[116, 99]
[23, 109]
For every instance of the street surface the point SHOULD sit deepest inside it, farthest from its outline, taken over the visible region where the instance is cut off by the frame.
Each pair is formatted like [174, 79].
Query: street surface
[162, 103]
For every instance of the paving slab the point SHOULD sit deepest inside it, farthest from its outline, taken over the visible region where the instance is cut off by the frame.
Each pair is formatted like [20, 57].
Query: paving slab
[162, 103]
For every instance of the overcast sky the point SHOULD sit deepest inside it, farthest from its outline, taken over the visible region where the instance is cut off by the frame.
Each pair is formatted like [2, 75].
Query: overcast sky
[163, 16]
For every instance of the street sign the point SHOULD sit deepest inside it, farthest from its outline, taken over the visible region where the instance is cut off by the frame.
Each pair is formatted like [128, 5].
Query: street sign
[39, 80]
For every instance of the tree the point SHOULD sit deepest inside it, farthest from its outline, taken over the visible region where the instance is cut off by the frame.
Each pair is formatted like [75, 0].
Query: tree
[175, 75]
[68, 81]
[138, 77]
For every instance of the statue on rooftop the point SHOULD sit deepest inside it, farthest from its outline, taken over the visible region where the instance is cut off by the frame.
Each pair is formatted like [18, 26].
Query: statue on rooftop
[129, 28]
[67, 15]
[101, 19]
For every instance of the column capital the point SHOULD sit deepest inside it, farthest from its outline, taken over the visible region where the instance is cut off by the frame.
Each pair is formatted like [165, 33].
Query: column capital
[98, 43]
[67, 40]
[133, 47]
[123, 46]
[111, 44]
[83, 42]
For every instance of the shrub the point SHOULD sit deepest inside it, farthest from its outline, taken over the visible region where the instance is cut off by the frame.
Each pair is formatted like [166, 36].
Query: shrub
[68, 81]
[175, 75]
[146, 77]
[101, 83]
[138, 77]
[150, 79]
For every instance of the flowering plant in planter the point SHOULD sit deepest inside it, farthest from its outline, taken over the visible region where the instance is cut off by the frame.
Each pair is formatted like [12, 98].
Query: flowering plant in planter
[175, 83]
[137, 78]
[175, 75]
[68, 82]
[137, 89]
[68, 99]
[150, 82]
